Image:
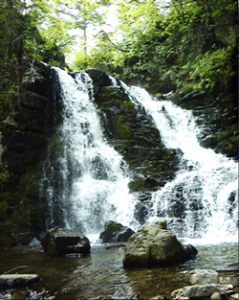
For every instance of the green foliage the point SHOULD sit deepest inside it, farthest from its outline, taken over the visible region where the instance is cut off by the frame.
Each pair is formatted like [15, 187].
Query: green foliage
[211, 69]
[193, 44]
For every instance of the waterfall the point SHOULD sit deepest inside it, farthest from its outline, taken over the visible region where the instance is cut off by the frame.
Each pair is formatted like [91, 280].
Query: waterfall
[201, 201]
[92, 181]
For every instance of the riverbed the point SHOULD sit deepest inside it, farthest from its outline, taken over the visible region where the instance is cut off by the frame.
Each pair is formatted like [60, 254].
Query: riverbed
[101, 274]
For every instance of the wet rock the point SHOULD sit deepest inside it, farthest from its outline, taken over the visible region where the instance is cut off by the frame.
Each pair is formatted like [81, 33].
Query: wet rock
[190, 251]
[100, 79]
[159, 297]
[136, 138]
[24, 140]
[198, 291]
[194, 95]
[124, 293]
[13, 280]
[204, 277]
[233, 280]
[153, 244]
[216, 296]
[234, 297]
[33, 101]
[60, 241]
[115, 232]
[6, 294]
[20, 294]
[114, 245]
[35, 243]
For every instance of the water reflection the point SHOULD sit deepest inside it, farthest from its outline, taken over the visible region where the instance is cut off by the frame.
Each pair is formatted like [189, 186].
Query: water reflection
[101, 273]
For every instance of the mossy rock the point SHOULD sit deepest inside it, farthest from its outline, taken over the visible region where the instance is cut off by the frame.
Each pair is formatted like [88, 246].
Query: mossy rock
[115, 232]
[109, 93]
[120, 128]
[153, 244]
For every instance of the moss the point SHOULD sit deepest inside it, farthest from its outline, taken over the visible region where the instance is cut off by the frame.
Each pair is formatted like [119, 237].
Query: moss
[4, 177]
[56, 145]
[120, 128]
[3, 210]
[137, 185]
[128, 106]
[232, 131]
[111, 229]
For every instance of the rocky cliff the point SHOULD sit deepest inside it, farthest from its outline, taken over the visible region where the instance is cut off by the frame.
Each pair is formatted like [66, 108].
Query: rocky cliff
[25, 135]
[217, 115]
[29, 133]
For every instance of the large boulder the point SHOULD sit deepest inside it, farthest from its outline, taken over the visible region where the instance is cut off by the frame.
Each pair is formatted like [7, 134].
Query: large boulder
[60, 241]
[154, 244]
[115, 232]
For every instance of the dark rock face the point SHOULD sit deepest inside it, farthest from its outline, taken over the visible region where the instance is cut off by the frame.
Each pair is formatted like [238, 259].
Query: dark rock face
[99, 78]
[62, 241]
[115, 233]
[217, 116]
[133, 134]
[153, 245]
[25, 138]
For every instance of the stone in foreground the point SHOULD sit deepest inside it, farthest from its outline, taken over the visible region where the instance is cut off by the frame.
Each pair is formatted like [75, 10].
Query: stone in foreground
[115, 233]
[198, 291]
[14, 280]
[204, 276]
[60, 241]
[153, 244]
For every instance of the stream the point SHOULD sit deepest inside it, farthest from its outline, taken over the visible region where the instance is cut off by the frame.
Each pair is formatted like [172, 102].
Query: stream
[101, 274]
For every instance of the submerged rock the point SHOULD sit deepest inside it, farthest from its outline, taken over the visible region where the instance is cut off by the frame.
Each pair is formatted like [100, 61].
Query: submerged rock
[60, 241]
[115, 232]
[204, 277]
[13, 280]
[154, 244]
[35, 243]
[124, 293]
[198, 291]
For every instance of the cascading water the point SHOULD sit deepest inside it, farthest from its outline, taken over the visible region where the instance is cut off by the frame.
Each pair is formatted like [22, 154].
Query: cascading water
[95, 175]
[201, 201]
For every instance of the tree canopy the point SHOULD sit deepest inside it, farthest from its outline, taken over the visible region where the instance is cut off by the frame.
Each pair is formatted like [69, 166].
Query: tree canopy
[193, 41]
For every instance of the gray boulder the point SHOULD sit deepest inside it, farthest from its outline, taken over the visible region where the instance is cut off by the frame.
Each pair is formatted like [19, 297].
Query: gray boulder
[115, 233]
[60, 241]
[154, 244]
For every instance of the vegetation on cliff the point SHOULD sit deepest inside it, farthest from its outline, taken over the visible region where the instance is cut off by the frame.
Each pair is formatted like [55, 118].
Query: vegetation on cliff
[192, 45]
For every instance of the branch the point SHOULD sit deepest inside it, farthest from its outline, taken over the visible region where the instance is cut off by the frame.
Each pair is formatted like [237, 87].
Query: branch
[109, 40]
[16, 268]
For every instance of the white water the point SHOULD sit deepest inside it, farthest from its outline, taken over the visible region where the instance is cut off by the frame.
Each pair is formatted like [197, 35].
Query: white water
[202, 185]
[100, 178]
